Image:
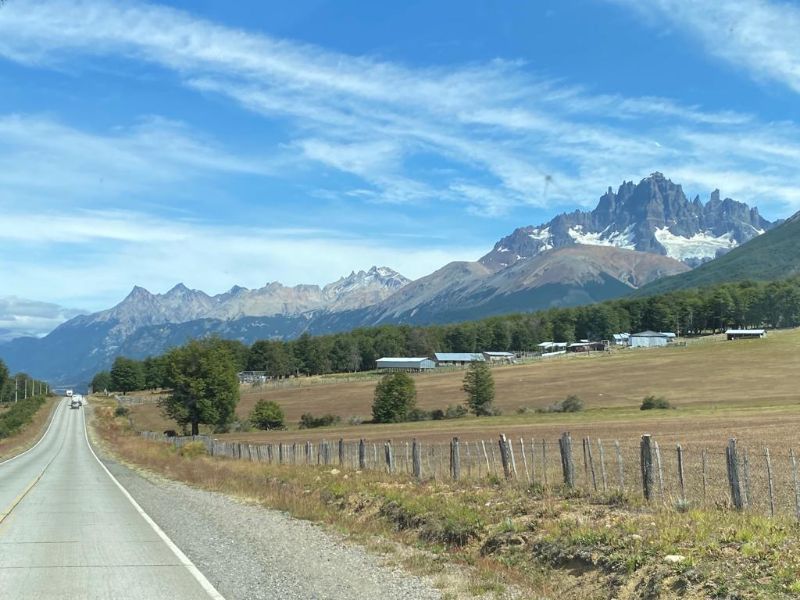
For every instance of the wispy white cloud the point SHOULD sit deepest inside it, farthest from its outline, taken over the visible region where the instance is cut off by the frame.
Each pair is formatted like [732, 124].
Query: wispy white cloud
[109, 251]
[20, 317]
[508, 131]
[758, 36]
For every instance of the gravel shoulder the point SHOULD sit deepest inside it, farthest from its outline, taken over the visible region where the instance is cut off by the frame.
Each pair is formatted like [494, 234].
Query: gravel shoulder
[249, 552]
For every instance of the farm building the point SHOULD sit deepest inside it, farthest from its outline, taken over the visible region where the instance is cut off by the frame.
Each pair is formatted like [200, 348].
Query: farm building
[500, 357]
[449, 359]
[744, 334]
[252, 377]
[648, 339]
[620, 339]
[408, 364]
[547, 347]
[584, 346]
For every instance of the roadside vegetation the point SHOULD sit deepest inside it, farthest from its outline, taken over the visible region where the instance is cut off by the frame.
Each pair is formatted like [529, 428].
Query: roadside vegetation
[541, 543]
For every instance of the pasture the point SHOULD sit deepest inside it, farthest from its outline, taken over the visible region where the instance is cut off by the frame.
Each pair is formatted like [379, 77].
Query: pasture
[719, 389]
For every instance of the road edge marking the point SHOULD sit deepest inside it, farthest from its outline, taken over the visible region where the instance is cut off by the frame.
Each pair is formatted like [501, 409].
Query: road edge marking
[185, 561]
[41, 439]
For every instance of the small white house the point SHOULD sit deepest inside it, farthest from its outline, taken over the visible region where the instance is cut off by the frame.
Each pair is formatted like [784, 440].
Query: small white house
[648, 339]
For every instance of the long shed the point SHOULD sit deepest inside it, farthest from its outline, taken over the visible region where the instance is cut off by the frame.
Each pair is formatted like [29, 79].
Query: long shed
[744, 334]
[457, 358]
[408, 364]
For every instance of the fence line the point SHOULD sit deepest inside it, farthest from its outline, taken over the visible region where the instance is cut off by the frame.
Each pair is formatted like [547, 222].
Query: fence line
[754, 479]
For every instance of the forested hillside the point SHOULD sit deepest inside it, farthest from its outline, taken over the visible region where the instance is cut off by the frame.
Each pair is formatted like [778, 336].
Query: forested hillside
[743, 304]
[770, 256]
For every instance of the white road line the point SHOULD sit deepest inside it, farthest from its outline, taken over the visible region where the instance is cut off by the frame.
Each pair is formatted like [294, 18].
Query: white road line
[52, 420]
[184, 560]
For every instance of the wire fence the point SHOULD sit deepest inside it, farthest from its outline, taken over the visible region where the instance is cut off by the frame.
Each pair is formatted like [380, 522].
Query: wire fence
[752, 478]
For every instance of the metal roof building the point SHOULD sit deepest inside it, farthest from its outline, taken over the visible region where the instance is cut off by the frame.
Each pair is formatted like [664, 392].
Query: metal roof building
[737, 334]
[500, 356]
[412, 364]
[648, 339]
[457, 358]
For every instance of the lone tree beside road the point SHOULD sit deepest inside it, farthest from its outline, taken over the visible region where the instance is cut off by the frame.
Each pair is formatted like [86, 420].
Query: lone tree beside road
[204, 384]
[395, 398]
[479, 386]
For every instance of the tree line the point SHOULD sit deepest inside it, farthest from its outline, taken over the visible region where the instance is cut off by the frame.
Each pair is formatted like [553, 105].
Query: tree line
[686, 312]
[19, 386]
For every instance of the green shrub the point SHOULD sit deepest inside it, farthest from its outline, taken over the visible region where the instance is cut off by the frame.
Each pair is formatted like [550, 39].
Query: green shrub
[193, 449]
[437, 414]
[266, 415]
[395, 398]
[417, 414]
[122, 411]
[456, 412]
[572, 404]
[650, 402]
[309, 421]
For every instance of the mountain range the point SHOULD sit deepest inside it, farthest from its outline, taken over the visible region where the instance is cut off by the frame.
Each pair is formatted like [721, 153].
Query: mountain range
[652, 216]
[641, 234]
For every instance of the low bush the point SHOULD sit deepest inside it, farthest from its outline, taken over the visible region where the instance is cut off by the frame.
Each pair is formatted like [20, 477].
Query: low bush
[456, 412]
[571, 403]
[417, 414]
[193, 449]
[650, 402]
[309, 421]
[122, 411]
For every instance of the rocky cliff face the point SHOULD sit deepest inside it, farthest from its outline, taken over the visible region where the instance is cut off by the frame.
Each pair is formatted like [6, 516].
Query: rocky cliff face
[652, 216]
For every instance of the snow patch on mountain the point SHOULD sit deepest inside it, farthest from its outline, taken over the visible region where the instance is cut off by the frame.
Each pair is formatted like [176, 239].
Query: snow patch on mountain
[619, 239]
[704, 245]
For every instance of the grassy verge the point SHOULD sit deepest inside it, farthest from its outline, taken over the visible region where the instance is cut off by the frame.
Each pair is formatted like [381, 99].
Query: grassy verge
[21, 424]
[509, 540]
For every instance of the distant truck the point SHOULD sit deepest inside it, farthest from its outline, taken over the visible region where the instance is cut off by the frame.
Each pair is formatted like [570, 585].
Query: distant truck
[75, 402]
[69, 393]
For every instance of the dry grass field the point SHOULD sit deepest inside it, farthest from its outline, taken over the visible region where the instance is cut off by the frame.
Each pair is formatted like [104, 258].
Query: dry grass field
[720, 389]
[27, 437]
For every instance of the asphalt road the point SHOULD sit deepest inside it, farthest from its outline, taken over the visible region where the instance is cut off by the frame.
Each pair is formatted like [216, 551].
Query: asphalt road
[68, 530]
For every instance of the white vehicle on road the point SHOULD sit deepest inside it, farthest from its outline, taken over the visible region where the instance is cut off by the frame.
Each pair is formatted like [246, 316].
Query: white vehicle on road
[76, 402]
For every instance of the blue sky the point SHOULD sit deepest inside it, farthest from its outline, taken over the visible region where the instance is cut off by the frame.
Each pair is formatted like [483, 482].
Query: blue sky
[221, 143]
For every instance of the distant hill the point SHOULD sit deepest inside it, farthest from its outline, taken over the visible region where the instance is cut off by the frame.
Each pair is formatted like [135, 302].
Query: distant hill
[773, 255]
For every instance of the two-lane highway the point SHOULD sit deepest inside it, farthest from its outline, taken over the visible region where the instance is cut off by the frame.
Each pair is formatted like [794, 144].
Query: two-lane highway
[68, 530]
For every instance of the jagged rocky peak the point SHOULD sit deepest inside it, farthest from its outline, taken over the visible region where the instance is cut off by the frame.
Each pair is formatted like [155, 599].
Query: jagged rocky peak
[652, 216]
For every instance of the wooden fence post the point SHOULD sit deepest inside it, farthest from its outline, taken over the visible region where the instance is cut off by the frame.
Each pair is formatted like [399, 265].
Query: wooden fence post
[681, 481]
[341, 452]
[455, 459]
[544, 463]
[732, 460]
[510, 451]
[486, 456]
[796, 488]
[660, 471]
[769, 483]
[705, 473]
[567, 465]
[389, 456]
[524, 459]
[504, 456]
[591, 463]
[648, 479]
[746, 488]
[602, 465]
[415, 459]
[362, 455]
[620, 467]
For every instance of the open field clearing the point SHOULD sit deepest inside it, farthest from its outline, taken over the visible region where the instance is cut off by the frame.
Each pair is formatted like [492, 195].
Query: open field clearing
[720, 389]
